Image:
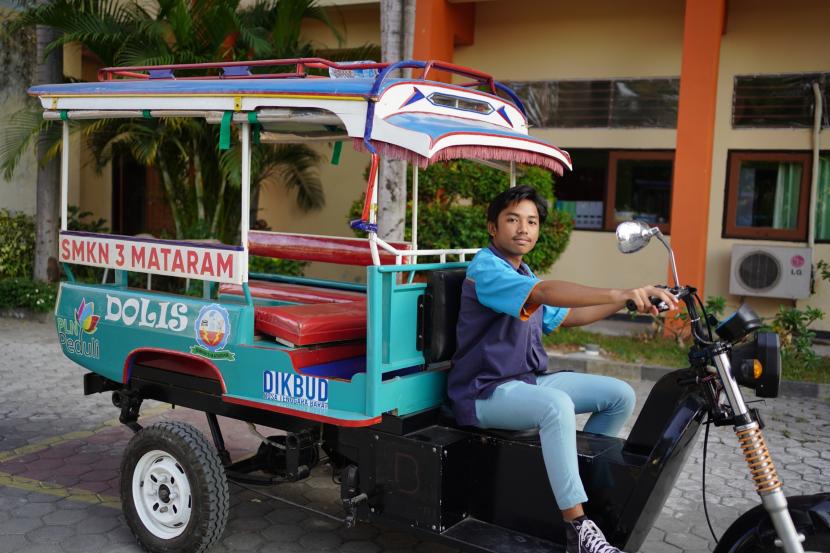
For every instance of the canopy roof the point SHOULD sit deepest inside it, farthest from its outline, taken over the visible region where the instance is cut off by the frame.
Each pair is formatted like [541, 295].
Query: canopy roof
[421, 120]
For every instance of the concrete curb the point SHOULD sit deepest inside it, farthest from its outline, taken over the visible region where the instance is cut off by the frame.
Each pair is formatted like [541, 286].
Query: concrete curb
[28, 314]
[579, 362]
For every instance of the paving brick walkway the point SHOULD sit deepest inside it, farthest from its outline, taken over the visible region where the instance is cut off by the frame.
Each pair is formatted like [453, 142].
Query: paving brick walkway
[60, 455]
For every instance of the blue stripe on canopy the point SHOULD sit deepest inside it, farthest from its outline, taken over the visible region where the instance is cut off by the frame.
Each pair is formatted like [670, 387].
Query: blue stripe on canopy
[436, 127]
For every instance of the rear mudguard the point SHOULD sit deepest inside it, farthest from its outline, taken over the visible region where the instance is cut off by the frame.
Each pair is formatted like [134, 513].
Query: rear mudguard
[752, 532]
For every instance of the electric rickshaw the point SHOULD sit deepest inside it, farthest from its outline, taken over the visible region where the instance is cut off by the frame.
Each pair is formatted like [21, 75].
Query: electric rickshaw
[358, 370]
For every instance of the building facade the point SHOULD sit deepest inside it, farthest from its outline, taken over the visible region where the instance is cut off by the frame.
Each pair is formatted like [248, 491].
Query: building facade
[696, 116]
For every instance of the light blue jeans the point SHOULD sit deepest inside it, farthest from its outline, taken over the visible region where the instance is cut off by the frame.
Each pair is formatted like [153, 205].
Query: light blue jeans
[551, 406]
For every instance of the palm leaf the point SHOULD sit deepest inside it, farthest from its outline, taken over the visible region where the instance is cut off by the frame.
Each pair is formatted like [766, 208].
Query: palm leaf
[296, 167]
[20, 130]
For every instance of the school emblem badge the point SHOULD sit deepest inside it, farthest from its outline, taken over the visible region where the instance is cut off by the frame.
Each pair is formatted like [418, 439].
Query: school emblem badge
[213, 329]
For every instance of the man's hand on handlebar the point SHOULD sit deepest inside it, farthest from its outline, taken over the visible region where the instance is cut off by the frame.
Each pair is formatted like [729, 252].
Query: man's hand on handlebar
[649, 299]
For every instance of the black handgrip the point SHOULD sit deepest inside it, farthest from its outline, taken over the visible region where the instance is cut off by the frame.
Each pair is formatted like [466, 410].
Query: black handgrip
[655, 301]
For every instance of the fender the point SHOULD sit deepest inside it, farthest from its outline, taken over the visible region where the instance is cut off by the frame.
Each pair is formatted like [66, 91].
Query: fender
[752, 532]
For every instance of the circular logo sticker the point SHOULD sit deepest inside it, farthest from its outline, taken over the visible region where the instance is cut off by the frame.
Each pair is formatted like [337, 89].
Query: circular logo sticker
[797, 261]
[213, 327]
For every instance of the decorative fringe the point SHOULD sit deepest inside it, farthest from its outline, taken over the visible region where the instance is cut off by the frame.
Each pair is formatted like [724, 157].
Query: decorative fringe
[497, 153]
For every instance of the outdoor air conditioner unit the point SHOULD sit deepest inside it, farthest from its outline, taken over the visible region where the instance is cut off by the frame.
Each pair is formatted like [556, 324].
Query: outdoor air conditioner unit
[770, 271]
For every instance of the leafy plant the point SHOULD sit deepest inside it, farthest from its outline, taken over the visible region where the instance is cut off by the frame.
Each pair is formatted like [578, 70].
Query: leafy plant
[28, 294]
[84, 221]
[823, 268]
[200, 181]
[452, 209]
[288, 267]
[680, 328]
[792, 325]
[17, 244]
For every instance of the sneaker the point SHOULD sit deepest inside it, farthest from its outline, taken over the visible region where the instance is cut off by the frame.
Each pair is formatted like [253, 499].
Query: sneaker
[584, 536]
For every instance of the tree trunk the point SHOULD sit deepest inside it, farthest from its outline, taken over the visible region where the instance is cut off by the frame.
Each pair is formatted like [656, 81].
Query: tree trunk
[397, 20]
[49, 70]
[199, 185]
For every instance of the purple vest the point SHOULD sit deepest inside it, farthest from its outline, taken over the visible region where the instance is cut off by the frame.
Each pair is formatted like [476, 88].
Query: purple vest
[493, 348]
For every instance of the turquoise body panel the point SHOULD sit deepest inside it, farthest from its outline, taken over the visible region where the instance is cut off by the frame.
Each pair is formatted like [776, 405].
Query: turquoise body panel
[106, 327]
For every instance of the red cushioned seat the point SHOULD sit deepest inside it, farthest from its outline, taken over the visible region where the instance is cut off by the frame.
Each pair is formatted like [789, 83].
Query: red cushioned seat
[295, 293]
[302, 325]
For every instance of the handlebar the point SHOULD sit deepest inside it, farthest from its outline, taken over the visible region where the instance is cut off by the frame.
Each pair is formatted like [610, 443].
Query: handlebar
[679, 293]
[655, 301]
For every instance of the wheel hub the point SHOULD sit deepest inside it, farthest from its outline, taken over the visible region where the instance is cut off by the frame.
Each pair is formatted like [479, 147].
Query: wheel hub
[161, 494]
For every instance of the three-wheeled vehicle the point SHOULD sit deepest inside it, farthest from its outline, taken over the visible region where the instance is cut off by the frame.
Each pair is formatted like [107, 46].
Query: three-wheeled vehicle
[359, 371]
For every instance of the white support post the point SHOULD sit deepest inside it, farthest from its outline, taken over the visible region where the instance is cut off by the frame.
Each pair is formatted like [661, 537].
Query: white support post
[246, 196]
[64, 175]
[512, 174]
[414, 206]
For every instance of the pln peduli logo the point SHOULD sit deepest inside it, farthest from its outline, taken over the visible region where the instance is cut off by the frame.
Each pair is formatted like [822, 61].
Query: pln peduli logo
[85, 316]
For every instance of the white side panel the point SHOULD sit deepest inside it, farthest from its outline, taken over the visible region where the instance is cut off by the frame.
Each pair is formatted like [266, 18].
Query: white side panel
[351, 112]
[395, 97]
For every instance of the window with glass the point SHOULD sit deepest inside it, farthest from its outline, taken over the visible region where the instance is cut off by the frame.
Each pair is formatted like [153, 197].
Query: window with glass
[607, 187]
[823, 199]
[767, 195]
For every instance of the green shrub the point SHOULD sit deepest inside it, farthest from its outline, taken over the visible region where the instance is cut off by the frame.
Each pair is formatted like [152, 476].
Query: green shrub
[793, 326]
[28, 294]
[257, 264]
[17, 244]
[83, 221]
[452, 209]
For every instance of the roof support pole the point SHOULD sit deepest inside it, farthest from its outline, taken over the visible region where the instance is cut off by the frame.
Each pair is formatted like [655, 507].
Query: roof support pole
[64, 174]
[703, 27]
[414, 207]
[246, 196]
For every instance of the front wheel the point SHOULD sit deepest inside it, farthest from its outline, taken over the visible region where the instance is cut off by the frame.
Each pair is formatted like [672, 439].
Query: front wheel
[753, 532]
[174, 492]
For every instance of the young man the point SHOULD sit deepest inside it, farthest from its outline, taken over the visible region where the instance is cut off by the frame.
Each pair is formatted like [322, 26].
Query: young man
[497, 379]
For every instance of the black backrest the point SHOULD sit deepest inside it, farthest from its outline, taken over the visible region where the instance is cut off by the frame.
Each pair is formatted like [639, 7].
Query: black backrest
[438, 314]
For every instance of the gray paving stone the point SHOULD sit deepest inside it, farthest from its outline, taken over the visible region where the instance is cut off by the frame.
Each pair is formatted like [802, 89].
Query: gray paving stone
[242, 541]
[65, 517]
[317, 541]
[84, 544]
[13, 542]
[50, 534]
[359, 547]
[798, 434]
[19, 526]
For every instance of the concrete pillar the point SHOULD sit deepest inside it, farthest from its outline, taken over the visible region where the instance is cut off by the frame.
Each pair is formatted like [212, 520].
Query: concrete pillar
[703, 28]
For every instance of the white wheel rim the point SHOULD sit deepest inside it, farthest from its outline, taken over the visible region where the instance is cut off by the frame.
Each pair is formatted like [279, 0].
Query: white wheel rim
[161, 494]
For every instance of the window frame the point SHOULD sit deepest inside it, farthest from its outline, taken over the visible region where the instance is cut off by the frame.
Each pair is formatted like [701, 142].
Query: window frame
[730, 228]
[611, 186]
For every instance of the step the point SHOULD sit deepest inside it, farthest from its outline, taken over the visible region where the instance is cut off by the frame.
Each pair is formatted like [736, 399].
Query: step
[477, 535]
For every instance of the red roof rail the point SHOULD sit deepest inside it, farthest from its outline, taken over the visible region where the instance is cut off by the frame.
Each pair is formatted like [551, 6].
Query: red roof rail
[232, 69]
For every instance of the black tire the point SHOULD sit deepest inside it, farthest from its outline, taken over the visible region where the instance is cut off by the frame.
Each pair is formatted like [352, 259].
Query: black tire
[753, 531]
[753, 543]
[198, 501]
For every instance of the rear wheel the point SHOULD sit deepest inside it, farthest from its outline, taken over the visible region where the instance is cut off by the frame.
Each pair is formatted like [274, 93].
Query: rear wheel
[174, 492]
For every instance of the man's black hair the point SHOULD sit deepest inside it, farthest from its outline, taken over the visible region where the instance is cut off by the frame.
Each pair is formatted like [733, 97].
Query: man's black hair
[513, 196]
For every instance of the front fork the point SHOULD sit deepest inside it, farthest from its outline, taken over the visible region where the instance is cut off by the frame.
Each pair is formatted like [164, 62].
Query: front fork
[758, 458]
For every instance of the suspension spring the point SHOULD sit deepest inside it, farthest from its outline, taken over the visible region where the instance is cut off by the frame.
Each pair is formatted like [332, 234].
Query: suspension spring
[758, 458]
